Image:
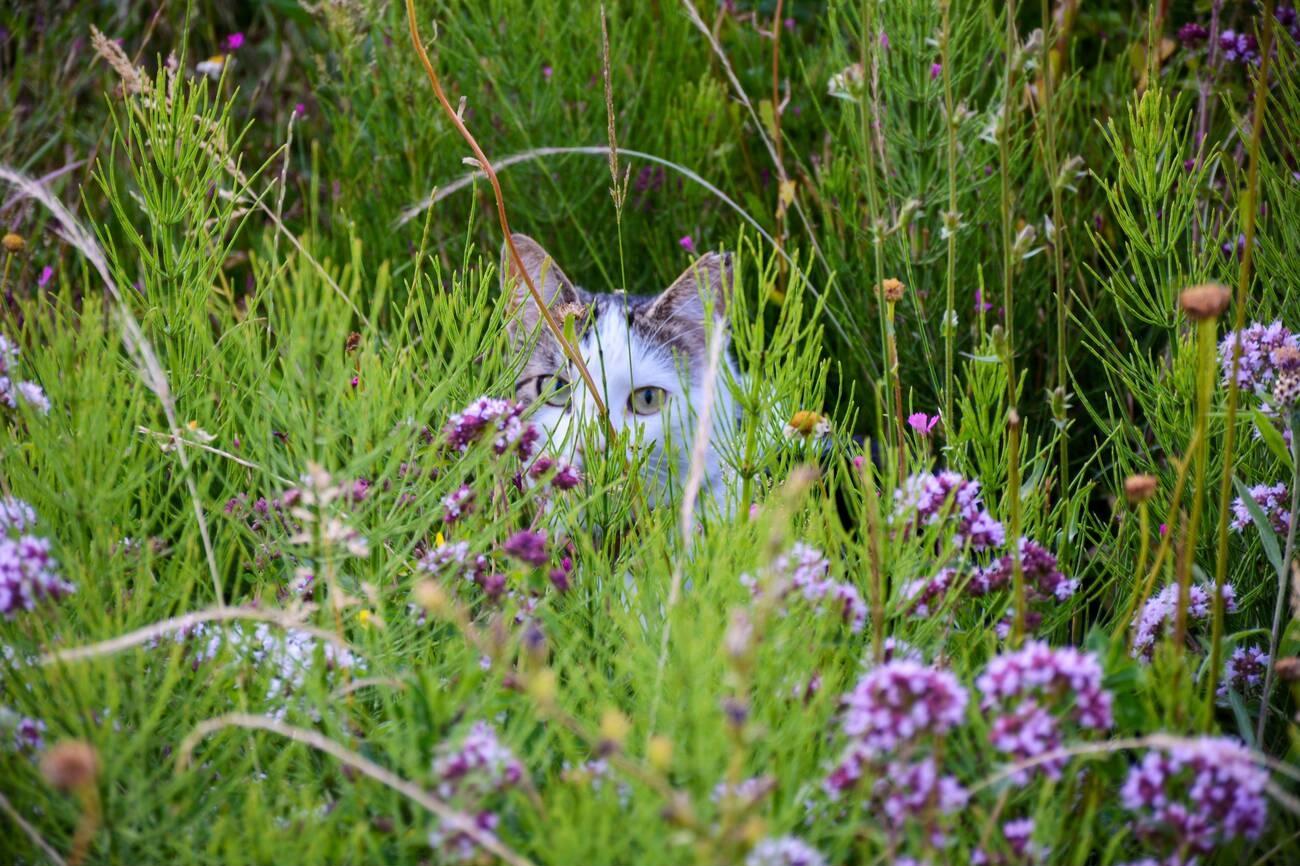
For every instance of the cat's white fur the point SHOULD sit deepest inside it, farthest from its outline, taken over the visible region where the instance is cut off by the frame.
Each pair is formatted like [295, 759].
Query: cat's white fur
[665, 348]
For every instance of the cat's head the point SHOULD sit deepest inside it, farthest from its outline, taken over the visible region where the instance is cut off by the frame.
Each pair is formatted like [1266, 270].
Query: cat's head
[648, 355]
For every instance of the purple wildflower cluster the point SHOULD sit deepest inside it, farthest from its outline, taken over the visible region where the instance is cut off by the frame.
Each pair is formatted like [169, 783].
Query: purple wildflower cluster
[500, 421]
[469, 773]
[1243, 671]
[805, 571]
[1044, 582]
[29, 574]
[23, 734]
[888, 717]
[1239, 47]
[1196, 795]
[929, 498]
[1288, 20]
[1156, 619]
[1193, 35]
[784, 851]
[1033, 692]
[1272, 499]
[12, 390]
[1018, 839]
[1259, 344]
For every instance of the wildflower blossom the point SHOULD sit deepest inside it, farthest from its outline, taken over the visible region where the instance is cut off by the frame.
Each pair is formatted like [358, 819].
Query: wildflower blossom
[922, 423]
[744, 794]
[1033, 690]
[469, 772]
[929, 498]
[1258, 343]
[1243, 671]
[909, 790]
[1272, 500]
[926, 595]
[784, 851]
[457, 504]
[807, 424]
[847, 83]
[1157, 616]
[687, 243]
[490, 418]
[1239, 47]
[896, 702]
[527, 547]
[234, 41]
[211, 67]
[26, 735]
[11, 389]
[1193, 796]
[47, 274]
[1193, 35]
[28, 573]
[804, 571]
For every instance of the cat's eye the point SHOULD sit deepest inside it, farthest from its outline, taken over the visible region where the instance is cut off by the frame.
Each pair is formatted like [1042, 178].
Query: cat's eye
[555, 389]
[647, 401]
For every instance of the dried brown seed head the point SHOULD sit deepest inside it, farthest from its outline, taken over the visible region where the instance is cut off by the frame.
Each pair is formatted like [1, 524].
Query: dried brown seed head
[892, 290]
[1206, 301]
[1140, 488]
[14, 243]
[1288, 669]
[70, 765]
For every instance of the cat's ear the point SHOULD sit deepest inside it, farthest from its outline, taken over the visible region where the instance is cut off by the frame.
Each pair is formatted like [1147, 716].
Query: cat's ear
[704, 286]
[556, 289]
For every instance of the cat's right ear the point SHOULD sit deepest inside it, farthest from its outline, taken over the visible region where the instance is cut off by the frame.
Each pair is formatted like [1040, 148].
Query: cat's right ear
[555, 288]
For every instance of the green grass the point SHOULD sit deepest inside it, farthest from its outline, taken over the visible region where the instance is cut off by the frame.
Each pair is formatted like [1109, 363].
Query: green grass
[260, 299]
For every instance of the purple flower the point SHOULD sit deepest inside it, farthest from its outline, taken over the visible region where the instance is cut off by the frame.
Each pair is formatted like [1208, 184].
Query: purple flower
[910, 790]
[499, 420]
[926, 595]
[28, 574]
[922, 423]
[234, 41]
[1238, 47]
[900, 701]
[784, 851]
[547, 72]
[469, 773]
[47, 273]
[1193, 35]
[16, 515]
[1033, 691]
[1156, 619]
[1272, 500]
[1196, 795]
[687, 243]
[946, 497]
[457, 504]
[527, 547]
[1259, 342]
[299, 109]
[936, 69]
[1243, 672]
[805, 571]
[29, 735]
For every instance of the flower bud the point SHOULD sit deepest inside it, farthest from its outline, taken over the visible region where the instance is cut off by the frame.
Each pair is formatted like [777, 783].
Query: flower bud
[614, 728]
[13, 243]
[891, 290]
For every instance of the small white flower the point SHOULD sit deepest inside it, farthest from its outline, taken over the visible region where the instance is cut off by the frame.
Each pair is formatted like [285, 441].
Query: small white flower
[212, 66]
[847, 83]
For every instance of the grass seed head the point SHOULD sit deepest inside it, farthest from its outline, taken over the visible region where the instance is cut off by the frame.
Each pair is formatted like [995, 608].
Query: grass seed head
[1140, 488]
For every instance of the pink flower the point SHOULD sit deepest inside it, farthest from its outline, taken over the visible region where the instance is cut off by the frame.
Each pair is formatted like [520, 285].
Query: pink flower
[936, 69]
[47, 273]
[687, 243]
[922, 423]
[299, 109]
[547, 72]
[234, 41]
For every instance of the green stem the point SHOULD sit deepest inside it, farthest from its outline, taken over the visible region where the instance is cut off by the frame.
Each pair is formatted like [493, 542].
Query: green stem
[1205, 367]
[1248, 212]
[950, 310]
[1283, 575]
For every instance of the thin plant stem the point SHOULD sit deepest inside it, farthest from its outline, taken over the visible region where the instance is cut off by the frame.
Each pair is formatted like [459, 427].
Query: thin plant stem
[1205, 331]
[1053, 168]
[1283, 579]
[895, 382]
[1011, 49]
[950, 310]
[485, 165]
[1249, 209]
[1013, 490]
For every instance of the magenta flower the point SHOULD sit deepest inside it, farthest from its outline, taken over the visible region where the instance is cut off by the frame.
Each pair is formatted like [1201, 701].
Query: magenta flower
[936, 69]
[547, 72]
[234, 41]
[47, 273]
[299, 109]
[946, 497]
[687, 243]
[922, 423]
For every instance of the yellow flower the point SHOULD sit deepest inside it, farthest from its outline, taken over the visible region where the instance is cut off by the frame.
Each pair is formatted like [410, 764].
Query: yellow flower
[808, 424]
[440, 540]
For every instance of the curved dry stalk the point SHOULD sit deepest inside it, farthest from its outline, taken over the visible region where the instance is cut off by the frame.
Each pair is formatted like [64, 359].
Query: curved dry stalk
[8, 809]
[455, 820]
[202, 446]
[481, 158]
[284, 619]
[365, 683]
[133, 337]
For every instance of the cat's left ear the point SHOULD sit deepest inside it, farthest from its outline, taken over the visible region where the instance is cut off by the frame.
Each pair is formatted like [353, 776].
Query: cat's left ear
[705, 285]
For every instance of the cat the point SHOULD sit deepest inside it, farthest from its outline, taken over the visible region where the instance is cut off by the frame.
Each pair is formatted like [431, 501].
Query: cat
[647, 355]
